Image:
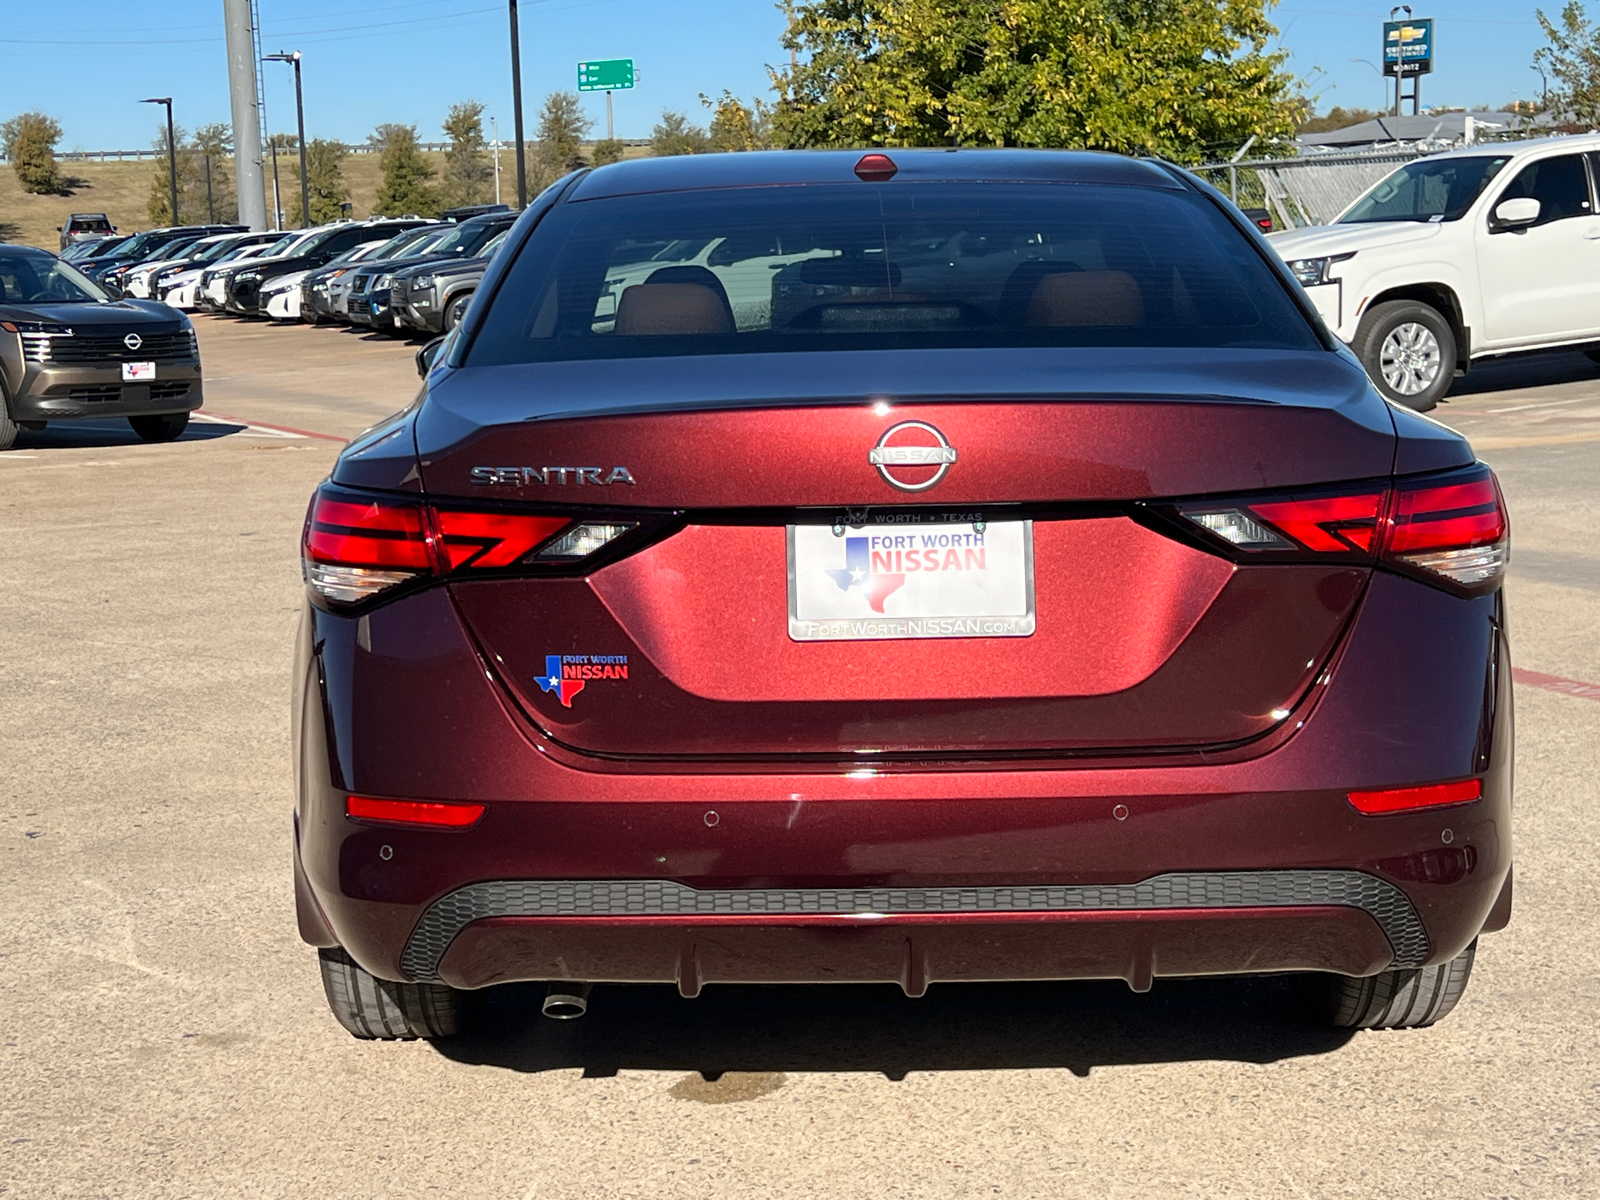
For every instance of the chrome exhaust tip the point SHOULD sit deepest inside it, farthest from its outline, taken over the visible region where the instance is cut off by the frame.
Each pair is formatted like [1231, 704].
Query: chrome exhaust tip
[566, 1001]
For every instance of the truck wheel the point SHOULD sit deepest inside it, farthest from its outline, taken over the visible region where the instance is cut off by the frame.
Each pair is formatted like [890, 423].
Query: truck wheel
[1404, 999]
[456, 310]
[8, 428]
[369, 1007]
[163, 427]
[1409, 351]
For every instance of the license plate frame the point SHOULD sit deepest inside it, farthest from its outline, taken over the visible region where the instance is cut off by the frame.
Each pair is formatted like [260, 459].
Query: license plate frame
[990, 592]
[138, 372]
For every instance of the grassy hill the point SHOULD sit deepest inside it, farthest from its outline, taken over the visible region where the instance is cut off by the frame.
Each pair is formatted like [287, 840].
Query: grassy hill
[122, 191]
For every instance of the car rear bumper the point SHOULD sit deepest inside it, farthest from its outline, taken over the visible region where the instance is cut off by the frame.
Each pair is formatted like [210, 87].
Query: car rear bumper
[58, 393]
[613, 873]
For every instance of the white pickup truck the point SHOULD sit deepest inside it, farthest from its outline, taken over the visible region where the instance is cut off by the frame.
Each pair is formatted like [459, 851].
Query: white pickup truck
[1456, 257]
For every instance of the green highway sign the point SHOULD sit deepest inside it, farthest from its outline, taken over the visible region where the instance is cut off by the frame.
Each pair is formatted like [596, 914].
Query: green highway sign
[612, 75]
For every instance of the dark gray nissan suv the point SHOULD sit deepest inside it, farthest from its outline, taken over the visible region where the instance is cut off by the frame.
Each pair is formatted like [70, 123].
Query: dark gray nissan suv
[69, 352]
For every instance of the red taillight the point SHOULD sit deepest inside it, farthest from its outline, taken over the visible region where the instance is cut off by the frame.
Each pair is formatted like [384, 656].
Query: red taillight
[485, 539]
[1329, 524]
[1405, 799]
[367, 534]
[1456, 529]
[413, 812]
[1449, 527]
[357, 546]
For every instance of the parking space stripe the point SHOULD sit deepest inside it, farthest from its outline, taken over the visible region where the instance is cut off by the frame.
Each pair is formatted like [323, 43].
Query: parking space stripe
[1555, 683]
[311, 433]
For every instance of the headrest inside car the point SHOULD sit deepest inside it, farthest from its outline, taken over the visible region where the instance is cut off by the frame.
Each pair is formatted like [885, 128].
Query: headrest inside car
[672, 308]
[1075, 299]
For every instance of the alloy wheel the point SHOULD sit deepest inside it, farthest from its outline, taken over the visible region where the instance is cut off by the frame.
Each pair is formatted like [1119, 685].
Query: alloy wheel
[1410, 358]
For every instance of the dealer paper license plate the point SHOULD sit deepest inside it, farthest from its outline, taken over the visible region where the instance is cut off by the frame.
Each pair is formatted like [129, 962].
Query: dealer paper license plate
[133, 372]
[911, 581]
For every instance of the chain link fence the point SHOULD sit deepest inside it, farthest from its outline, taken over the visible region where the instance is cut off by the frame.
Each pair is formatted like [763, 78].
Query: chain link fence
[1309, 190]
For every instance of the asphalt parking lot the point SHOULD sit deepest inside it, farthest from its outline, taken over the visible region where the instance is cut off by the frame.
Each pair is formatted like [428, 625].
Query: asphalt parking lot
[166, 1035]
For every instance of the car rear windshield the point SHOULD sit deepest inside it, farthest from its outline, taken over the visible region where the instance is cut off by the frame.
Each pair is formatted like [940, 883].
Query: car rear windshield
[910, 265]
[1438, 190]
[90, 225]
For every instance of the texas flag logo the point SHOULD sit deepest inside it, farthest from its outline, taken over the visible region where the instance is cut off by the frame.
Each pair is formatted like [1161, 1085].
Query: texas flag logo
[876, 565]
[858, 574]
[565, 675]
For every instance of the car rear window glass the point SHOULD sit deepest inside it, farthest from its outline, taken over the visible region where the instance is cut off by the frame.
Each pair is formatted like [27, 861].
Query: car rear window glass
[90, 225]
[910, 265]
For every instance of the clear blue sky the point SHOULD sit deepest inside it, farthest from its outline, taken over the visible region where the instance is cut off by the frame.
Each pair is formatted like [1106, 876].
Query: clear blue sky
[366, 62]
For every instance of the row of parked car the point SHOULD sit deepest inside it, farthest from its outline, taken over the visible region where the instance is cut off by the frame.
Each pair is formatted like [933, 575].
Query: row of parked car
[394, 275]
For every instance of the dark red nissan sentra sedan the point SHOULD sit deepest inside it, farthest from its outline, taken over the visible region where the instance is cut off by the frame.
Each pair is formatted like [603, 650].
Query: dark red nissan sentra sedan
[915, 567]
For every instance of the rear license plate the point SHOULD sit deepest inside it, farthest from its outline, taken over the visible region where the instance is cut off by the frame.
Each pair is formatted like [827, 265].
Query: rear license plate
[136, 372]
[911, 581]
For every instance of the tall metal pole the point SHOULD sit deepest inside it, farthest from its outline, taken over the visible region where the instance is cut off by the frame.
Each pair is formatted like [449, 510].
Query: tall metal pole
[609, 134]
[494, 129]
[172, 161]
[300, 118]
[516, 109]
[300, 121]
[172, 150]
[246, 108]
[277, 201]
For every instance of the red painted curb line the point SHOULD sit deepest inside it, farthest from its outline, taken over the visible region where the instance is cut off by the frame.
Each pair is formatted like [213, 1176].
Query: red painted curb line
[1555, 683]
[327, 437]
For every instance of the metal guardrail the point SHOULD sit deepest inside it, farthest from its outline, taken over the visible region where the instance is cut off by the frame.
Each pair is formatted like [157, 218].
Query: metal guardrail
[350, 148]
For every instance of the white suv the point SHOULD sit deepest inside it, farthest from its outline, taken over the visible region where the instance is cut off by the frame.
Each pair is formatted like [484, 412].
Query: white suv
[1460, 256]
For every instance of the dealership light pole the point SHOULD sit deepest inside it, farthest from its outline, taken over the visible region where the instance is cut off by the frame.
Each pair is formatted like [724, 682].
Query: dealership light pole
[516, 109]
[300, 119]
[172, 151]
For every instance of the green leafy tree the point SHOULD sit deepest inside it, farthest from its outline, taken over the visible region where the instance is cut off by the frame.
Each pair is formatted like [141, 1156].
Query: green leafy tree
[468, 173]
[1184, 79]
[674, 135]
[562, 127]
[407, 178]
[736, 125]
[30, 141]
[1572, 59]
[212, 150]
[325, 183]
[191, 182]
[606, 150]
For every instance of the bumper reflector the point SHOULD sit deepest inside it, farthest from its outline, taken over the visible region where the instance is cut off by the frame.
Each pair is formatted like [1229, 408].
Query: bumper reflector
[1432, 795]
[413, 812]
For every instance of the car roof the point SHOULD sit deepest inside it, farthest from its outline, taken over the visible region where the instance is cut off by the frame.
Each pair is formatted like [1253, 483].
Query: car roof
[1577, 143]
[753, 169]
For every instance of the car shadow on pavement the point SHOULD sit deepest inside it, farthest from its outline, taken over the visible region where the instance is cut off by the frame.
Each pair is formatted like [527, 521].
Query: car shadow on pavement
[90, 435]
[1523, 371]
[955, 1027]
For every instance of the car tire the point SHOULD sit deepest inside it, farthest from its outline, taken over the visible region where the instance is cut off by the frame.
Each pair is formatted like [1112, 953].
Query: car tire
[1409, 351]
[373, 1008]
[163, 427]
[455, 310]
[8, 428]
[1412, 998]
